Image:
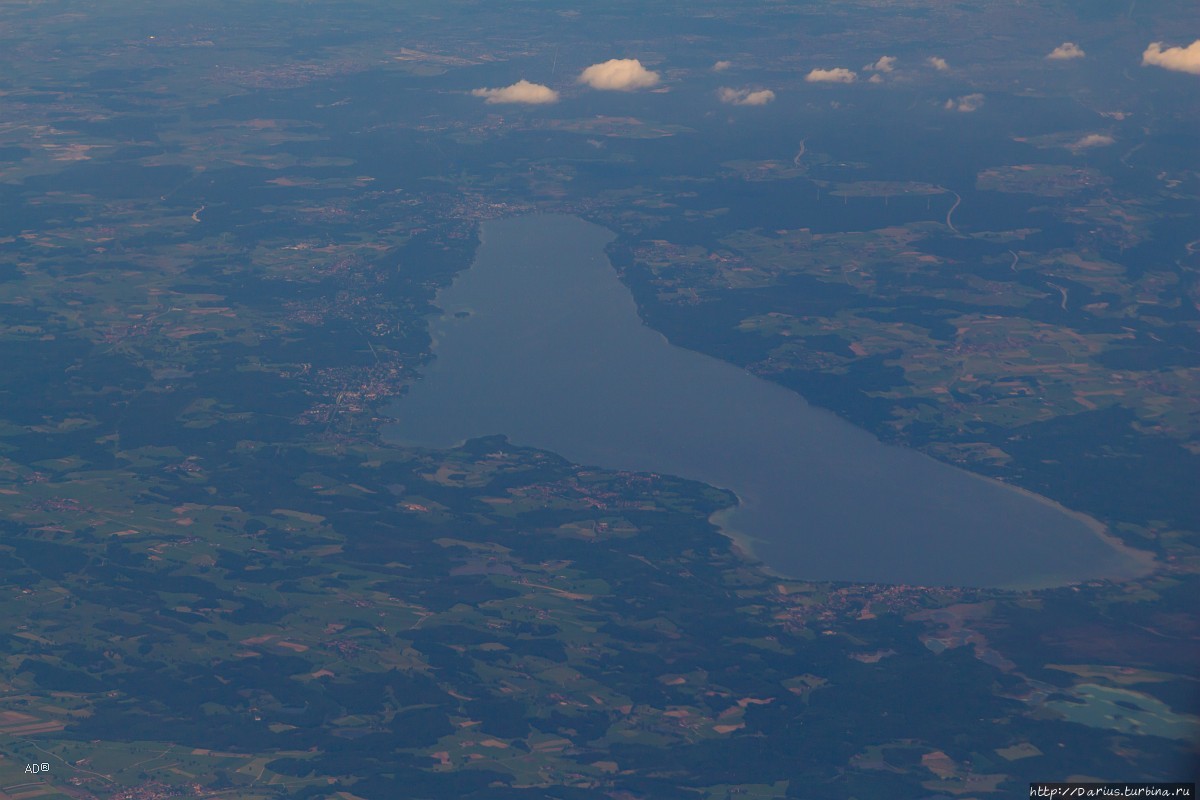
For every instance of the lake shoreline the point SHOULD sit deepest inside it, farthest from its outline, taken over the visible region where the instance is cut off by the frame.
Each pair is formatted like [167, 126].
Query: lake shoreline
[540, 341]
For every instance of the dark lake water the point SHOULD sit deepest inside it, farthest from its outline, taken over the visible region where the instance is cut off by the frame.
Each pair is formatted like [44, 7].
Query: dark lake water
[540, 341]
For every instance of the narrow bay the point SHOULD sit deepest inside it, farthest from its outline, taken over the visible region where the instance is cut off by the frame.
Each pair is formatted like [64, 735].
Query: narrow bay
[541, 342]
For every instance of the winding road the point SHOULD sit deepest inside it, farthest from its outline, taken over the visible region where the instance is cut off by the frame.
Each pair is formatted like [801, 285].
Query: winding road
[950, 213]
[1062, 291]
[799, 155]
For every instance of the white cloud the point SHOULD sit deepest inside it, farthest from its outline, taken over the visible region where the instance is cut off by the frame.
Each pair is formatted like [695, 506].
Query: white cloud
[884, 64]
[1093, 140]
[876, 78]
[745, 97]
[1065, 51]
[1177, 59]
[937, 63]
[966, 104]
[520, 92]
[619, 75]
[835, 75]
[721, 66]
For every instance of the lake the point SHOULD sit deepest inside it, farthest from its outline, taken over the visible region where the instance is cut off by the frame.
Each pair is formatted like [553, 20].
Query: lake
[541, 342]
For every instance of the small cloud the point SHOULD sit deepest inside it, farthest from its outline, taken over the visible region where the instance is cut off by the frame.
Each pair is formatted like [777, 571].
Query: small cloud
[1176, 59]
[835, 75]
[884, 64]
[619, 75]
[721, 66]
[520, 92]
[1065, 51]
[745, 97]
[876, 78]
[965, 104]
[1093, 140]
[937, 63]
